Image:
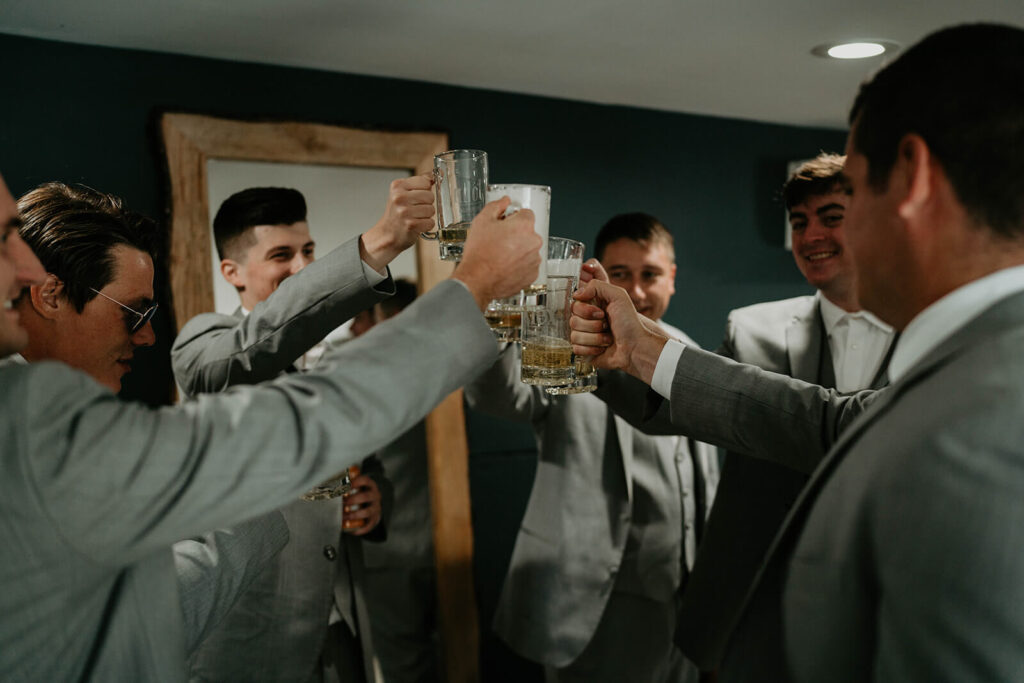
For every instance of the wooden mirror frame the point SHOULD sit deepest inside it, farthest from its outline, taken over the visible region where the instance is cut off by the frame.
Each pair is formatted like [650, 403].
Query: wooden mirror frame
[189, 140]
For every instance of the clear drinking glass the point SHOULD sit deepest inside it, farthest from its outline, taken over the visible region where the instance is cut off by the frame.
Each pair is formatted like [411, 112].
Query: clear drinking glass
[547, 358]
[504, 315]
[460, 185]
[585, 382]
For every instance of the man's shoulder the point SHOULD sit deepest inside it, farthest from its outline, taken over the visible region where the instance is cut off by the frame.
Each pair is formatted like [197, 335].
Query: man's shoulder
[770, 314]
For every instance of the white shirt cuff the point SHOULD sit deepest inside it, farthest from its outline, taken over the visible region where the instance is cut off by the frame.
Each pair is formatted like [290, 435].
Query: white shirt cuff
[665, 370]
[373, 276]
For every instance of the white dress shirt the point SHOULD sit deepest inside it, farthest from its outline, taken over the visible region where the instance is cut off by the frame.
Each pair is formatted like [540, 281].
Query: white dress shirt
[939, 321]
[858, 342]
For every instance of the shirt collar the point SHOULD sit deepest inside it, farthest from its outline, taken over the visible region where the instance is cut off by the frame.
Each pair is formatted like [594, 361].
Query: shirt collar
[939, 321]
[14, 359]
[832, 314]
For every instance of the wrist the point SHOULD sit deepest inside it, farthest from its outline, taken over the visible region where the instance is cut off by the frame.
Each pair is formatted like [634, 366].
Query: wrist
[480, 293]
[377, 247]
[643, 358]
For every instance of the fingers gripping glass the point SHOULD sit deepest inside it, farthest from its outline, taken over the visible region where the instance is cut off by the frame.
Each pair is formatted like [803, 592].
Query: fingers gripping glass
[137, 320]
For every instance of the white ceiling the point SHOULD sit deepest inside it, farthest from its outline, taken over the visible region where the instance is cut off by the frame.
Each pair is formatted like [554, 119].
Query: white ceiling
[746, 59]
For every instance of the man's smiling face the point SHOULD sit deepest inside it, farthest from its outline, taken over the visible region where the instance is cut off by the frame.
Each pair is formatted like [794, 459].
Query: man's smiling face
[819, 247]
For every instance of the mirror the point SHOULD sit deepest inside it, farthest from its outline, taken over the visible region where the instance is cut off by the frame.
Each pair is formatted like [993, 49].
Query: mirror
[190, 142]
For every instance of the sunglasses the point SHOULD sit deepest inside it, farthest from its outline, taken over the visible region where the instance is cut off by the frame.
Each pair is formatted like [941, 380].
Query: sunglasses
[138, 321]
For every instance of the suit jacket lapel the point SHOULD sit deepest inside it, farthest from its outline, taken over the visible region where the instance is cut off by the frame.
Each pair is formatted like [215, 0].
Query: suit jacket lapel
[625, 435]
[805, 345]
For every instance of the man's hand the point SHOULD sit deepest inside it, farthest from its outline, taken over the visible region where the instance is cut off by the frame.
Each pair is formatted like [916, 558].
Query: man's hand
[606, 327]
[593, 270]
[362, 503]
[409, 212]
[501, 255]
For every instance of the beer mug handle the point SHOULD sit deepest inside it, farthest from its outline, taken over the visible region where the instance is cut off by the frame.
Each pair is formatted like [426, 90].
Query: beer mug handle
[436, 233]
[513, 207]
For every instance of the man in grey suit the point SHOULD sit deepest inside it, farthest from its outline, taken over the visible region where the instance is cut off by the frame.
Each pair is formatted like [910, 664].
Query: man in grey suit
[614, 516]
[77, 232]
[305, 617]
[824, 339]
[94, 490]
[900, 559]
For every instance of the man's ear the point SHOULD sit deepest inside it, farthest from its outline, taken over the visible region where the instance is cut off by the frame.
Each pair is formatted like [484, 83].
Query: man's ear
[672, 276]
[916, 176]
[47, 298]
[232, 272]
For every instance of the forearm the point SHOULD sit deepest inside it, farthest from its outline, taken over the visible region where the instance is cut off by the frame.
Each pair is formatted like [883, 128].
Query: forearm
[215, 351]
[223, 458]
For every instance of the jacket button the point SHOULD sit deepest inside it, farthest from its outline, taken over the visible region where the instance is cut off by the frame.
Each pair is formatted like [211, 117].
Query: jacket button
[330, 553]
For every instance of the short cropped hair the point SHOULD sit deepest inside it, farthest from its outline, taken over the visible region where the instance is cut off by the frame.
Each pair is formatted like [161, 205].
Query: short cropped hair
[245, 210]
[961, 90]
[74, 231]
[405, 294]
[639, 227]
[819, 176]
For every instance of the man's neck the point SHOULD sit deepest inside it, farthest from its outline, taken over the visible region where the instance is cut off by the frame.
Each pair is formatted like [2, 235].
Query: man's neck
[846, 301]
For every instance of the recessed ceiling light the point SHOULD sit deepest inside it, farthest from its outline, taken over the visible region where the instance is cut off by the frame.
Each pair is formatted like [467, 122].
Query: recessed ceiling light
[854, 50]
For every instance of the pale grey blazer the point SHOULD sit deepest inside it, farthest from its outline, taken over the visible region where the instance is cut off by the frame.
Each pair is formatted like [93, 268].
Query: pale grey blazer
[576, 524]
[901, 557]
[277, 629]
[93, 490]
[754, 495]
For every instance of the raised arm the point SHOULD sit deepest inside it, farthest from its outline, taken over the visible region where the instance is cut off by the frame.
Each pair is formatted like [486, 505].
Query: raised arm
[713, 399]
[215, 351]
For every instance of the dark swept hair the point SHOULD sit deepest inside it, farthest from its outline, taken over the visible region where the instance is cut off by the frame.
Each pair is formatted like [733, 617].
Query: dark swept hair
[405, 294]
[639, 227]
[245, 210]
[819, 176]
[962, 90]
[74, 230]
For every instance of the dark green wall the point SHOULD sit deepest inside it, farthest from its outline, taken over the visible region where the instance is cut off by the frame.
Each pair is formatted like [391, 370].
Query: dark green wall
[87, 114]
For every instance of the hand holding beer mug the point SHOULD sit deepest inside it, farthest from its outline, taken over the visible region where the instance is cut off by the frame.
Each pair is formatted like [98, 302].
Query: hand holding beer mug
[460, 184]
[504, 315]
[361, 509]
[409, 212]
[500, 256]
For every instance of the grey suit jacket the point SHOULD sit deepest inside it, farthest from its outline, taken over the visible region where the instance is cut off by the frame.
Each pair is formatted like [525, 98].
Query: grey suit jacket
[754, 495]
[93, 490]
[902, 558]
[574, 531]
[212, 573]
[277, 629]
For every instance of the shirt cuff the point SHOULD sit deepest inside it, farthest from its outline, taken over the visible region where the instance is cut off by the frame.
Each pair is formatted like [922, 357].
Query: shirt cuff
[373, 277]
[665, 370]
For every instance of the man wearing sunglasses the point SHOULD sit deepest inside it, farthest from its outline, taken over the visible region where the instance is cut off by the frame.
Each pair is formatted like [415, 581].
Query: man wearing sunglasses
[94, 490]
[93, 309]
